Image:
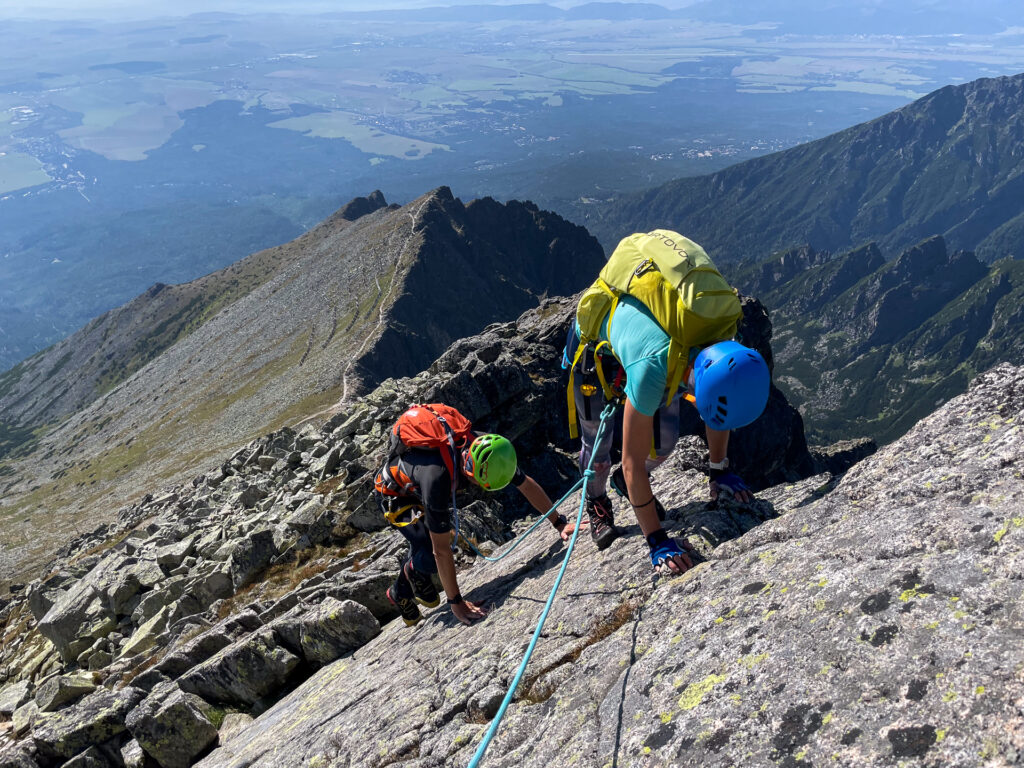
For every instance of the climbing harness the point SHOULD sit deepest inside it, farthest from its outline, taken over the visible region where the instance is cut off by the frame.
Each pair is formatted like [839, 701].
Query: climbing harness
[606, 415]
[394, 515]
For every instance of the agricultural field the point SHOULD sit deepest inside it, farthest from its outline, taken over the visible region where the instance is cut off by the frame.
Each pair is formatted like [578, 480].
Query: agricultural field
[18, 171]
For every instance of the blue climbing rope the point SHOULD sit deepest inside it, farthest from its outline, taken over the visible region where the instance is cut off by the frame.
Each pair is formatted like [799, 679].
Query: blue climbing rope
[587, 474]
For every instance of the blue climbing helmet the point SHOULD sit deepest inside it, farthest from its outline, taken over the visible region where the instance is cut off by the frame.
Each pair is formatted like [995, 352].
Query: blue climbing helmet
[730, 383]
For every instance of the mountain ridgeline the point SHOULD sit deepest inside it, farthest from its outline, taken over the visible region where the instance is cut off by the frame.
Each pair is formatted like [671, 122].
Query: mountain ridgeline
[950, 164]
[153, 390]
[866, 346]
[184, 373]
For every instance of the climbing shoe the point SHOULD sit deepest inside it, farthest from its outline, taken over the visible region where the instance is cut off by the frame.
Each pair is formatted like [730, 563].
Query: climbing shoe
[423, 588]
[618, 482]
[602, 521]
[662, 514]
[406, 606]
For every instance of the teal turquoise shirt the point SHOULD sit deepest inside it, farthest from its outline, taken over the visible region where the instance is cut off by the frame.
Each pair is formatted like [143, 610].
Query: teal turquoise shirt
[641, 346]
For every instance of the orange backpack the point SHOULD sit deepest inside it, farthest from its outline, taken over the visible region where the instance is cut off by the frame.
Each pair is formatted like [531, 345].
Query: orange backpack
[433, 426]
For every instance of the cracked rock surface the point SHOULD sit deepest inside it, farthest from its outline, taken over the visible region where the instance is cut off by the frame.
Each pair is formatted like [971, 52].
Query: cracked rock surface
[877, 621]
[199, 605]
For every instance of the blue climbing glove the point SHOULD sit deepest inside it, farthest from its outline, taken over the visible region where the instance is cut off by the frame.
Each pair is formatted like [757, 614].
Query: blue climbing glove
[664, 548]
[730, 484]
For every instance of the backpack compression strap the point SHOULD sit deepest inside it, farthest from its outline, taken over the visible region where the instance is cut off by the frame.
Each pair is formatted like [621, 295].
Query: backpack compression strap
[677, 360]
[450, 458]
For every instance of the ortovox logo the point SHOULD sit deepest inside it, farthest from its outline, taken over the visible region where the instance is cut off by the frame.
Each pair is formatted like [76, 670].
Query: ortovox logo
[667, 241]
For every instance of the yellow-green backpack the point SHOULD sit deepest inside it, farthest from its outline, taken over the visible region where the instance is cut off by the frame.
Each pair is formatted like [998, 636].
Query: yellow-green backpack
[677, 281]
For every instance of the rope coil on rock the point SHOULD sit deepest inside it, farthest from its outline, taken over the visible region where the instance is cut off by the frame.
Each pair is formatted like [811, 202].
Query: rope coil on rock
[608, 411]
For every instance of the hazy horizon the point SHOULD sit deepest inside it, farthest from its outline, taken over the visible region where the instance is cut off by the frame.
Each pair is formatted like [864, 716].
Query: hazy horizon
[113, 10]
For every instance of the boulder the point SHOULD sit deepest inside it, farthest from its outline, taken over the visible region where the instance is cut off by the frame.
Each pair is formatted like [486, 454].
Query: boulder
[80, 607]
[205, 645]
[133, 756]
[17, 756]
[249, 556]
[368, 588]
[99, 659]
[170, 590]
[24, 716]
[212, 586]
[243, 673]
[328, 632]
[172, 726]
[148, 573]
[63, 689]
[234, 724]
[94, 719]
[41, 598]
[145, 636]
[84, 604]
[171, 555]
[121, 594]
[325, 466]
[13, 696]
[311, 522]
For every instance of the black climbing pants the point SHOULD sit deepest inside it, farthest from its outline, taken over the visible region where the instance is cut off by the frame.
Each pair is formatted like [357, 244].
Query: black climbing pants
[421, 549]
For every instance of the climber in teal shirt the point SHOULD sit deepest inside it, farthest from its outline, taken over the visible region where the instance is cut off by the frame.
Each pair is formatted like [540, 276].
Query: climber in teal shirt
[727, 382]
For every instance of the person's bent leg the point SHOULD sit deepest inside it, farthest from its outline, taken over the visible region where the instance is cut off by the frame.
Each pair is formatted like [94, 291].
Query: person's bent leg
[404, 593]
[666, 433]
[588, 409]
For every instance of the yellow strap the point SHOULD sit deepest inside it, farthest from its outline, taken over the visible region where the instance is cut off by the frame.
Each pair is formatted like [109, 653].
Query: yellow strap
[574, 430]
[611, 312]
[609, 393]
[676, 366]
[393, 515]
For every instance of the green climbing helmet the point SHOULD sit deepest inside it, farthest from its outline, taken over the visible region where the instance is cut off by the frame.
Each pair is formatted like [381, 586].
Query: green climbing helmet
[491, 461]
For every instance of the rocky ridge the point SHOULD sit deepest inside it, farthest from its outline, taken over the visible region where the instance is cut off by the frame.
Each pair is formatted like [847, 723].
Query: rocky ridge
[947, 164]
[869, 346]
[353, 298]
[214, 598]
[66, 377]
[863, 621]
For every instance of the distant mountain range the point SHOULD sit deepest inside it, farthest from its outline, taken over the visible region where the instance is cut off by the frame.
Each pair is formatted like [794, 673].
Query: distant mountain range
[867, 17]
[948, 164]
[865, 346]
[911, 17]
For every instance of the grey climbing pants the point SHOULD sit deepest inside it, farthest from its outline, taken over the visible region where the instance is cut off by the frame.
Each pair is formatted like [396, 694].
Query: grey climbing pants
[588, 411]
